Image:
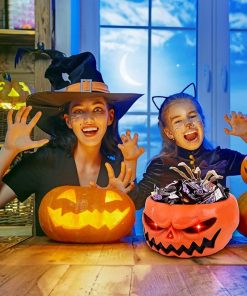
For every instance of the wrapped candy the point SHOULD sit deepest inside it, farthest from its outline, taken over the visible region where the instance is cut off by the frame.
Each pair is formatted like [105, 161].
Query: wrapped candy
[192, 189]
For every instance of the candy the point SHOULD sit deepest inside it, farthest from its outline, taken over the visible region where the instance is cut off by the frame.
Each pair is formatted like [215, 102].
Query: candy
[193, 189]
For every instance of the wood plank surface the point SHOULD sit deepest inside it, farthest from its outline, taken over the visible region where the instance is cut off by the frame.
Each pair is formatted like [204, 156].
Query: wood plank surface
[8, 241]
[39, 266]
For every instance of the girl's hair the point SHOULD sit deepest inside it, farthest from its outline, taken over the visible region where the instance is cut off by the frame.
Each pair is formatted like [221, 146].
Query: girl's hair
[169, 148]
[66, 139]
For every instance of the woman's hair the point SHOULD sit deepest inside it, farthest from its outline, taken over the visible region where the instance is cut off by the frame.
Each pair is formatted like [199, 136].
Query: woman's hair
[169, 146]
[65, 138]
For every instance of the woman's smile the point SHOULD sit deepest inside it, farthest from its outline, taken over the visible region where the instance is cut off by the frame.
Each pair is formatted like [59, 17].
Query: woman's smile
[90, 131]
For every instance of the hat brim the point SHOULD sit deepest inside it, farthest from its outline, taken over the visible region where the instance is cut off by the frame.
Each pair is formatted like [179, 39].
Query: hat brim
[51, 104]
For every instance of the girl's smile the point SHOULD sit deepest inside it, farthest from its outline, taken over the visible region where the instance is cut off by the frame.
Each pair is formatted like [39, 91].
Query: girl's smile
[184, 124]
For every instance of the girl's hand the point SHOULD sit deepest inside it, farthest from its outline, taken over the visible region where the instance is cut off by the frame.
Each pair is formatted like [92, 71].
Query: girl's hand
[122, 182]
[238, 123]
[18, 133]
[129, 148]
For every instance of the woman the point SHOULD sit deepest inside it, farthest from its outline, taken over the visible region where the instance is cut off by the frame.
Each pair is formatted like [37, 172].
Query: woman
[84, 148]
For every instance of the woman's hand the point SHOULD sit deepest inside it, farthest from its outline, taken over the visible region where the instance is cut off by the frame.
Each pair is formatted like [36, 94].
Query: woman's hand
[122, 182]
[238, 123]
[129, 148]
[18, 133]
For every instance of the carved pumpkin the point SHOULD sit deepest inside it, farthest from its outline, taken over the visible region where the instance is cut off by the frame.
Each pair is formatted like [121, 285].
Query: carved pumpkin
[13, 94]
[193, 230]
[242, 203]
[86, 215]
[244, 170]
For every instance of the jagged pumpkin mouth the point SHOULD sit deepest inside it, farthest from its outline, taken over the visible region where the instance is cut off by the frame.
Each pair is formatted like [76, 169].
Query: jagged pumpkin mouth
[95, 218]
[206, 243]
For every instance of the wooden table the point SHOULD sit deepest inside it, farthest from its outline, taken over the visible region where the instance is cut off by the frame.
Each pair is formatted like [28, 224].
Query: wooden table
[38, 266]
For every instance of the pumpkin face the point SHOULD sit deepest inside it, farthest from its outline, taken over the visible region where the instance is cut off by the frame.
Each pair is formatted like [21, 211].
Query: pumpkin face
[13, 92]
[242, 203]
[189, 230]
[86, 215]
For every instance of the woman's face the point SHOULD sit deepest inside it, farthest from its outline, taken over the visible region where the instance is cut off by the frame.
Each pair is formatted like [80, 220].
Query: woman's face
[184, 124]
[89, 119]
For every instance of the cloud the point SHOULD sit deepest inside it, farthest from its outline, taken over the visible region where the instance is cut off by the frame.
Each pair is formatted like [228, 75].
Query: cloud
[173, 13]
[240, 62]
[161, 16]
[123, 39]
[238, 20]
[128, 13]
[124, 13]
[241, 1]
[161, 37]
[190, 41]
[237, 44]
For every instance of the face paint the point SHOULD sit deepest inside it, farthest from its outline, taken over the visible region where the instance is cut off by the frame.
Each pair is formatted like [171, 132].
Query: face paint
[80, 114]
[89, 120]
[191, 121]
[184, 124]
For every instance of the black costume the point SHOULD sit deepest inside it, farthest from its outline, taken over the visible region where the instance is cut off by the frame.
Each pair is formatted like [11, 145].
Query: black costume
[41, 171]
[48, 168]
[225, 162]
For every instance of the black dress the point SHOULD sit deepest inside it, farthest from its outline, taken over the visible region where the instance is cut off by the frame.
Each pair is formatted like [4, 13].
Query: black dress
[41, 171]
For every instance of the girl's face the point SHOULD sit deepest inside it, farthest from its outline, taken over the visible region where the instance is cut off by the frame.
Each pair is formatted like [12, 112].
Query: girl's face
[184, 124]
[89, 119]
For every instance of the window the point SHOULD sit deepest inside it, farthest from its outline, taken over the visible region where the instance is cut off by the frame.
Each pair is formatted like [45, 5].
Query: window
[147, 47]
[238, 68]
[157, 47]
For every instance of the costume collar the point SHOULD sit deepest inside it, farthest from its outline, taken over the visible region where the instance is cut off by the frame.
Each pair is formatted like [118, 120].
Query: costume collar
[184, 153]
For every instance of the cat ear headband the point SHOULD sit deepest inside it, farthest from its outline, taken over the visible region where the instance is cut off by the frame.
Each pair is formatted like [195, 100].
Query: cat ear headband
[163, 97]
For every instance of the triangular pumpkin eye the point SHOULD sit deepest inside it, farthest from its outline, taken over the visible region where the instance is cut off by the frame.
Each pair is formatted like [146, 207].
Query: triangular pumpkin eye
[202, 226]
[151, 223]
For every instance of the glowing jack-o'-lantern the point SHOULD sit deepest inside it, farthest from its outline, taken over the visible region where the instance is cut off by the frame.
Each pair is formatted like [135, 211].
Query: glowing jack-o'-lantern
[192, 230]
[86, 215]
[13, 94]
[242, 203]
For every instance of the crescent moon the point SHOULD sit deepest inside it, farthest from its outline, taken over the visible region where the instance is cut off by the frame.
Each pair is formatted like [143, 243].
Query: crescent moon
[124, 72]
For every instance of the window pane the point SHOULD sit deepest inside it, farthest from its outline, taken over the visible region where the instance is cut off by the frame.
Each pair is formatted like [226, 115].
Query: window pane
[173, 61]
[155, 136]
[123, 62]
[136, 124]
[238, 14]
[238, 100]
[124, 12]
[174, 13]
[238, 64]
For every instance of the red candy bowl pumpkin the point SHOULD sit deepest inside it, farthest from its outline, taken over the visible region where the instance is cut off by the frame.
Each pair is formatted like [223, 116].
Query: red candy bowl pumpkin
[189, 230]
[86, 215]
[191, 218]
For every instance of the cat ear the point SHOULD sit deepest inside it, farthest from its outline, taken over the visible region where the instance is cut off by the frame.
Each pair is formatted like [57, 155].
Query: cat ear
[194, 87]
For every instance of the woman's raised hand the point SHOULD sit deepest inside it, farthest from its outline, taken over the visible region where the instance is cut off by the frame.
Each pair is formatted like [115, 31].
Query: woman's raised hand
[129, 148]
[122, 182]
[18, 133]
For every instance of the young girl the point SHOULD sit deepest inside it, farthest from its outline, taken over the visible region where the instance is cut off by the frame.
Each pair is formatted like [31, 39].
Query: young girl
[84, 147]
[181, 123]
